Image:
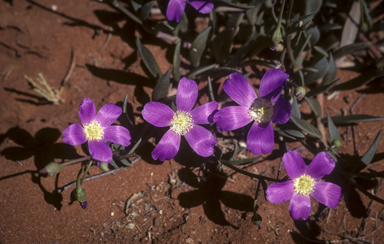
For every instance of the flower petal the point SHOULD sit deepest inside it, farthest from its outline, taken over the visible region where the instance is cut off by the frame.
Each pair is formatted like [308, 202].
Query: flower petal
[238, 88]
[87, 111]
[327, 193]
[186, 94]
[117, 134]
[260, 139]
[280, 192]
[320, 166]
[272, 83]
[203, 6]
[74, 135]
[108, 114]
[282, 111]
[202, 114]
[294, 164]
[175, 10]
[300, 207]
[99, 150]
[201, 140]
[167, 147]
[157, 114]
[232, 118]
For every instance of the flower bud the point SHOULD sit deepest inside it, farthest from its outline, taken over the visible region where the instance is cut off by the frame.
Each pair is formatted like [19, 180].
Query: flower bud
[84, 204]
[300, 92]
[80, 195]
[51, 169]
[336, 143]
[104, 166]
[277, 36]
[257, 219]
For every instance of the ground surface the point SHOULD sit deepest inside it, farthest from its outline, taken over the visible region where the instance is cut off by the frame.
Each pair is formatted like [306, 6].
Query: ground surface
[148, 202]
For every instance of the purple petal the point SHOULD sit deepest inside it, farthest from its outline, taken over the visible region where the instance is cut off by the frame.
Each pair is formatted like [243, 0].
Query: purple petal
[99, 150]
[327, 193]
[232, 118]
[167, 147]
[260, 139]
[84, 204]
[202, 6]
[202, 114]
[272, 83]
[108, 114]
[282, 111]
[320, 166]
[280, 192]
[201, 140]
[300, 207]
[74, 135]
[175, 10]
[186, 94]
[87, 111]
[294, 164]
[157, 114]
[117, 134]
[238, 88]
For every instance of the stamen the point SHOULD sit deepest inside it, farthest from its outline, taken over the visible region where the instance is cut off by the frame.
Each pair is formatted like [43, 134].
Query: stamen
[261, 110]
[304, 185]
[181, 122]
[94, 131]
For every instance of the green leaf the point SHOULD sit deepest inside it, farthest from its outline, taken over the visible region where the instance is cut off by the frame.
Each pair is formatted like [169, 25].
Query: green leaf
[162, 86]
[176, 61]
[315, 106]
[295, 111]
[254, 62]
[243, 161]
[222, 44]
[148, 59]
[354, 118]
[125, 104]
[112, 162]
[361, 80]
[333, 131]
[200, 70]
[348, 49]
[235, 20]
[322, 67]
[321, 89]
[125, 162]
[146, 9]
[305, 126]
[221, 72]
[198, 47]
[332, 155]
[301, 46]
[331, 73]
[368, 156]
[283, 133]
[228, 3]
[321, 51]
[293, 132]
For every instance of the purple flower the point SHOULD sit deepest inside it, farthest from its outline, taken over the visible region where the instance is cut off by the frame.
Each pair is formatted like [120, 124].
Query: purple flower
[264, 109]
[305, 182]
[176, 8]
[97, 129]
[183, 122]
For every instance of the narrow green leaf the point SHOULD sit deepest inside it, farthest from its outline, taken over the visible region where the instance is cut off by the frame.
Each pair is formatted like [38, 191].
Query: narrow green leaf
[146, 9]
[315, 106]
[135, 146]
[333, 131]
[331, 73]
[125, 104]
[322, 67]
[235, 20]
[354, 118]
[305, 126]
[321, 51]
[148, 59]
[112, 162]
[228, 3]
[332, 155]
[200, 70]
[162, 86]
[198, 47]
[222, 44]
[293, 132]
[321, 89]
[348, 49]
[125, 162]
[368, 156]
[176, 61]
[295, 108]
[243, 161]
[301, 46]
[221, 72]
[283, 133]
[254, 62]
[361, 80]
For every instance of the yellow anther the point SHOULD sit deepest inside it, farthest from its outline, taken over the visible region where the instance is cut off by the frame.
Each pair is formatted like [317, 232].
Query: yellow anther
[181, 122]
[93, 131]
[304, 185]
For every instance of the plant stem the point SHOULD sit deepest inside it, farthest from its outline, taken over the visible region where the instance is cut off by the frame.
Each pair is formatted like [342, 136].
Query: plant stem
[75, 161]
[86, 172]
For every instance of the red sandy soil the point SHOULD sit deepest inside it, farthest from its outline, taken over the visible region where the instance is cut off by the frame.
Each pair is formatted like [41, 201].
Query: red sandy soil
[168, 202]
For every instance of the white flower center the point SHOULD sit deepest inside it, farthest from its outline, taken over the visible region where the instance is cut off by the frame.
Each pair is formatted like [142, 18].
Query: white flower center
[304, 185]
[93, 131]
[261, 110]
[181, 122]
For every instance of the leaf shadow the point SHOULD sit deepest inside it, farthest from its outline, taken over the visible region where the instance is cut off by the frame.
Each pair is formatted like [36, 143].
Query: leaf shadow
[44, 149]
